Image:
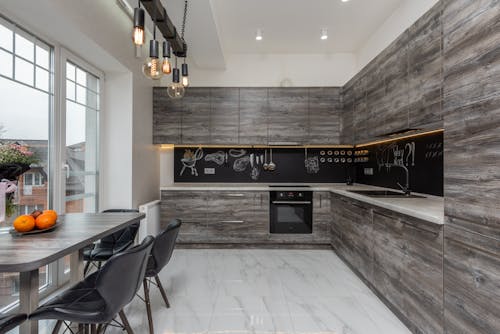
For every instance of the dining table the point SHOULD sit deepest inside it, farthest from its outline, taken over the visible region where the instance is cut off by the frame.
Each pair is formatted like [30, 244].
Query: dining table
[25, 254]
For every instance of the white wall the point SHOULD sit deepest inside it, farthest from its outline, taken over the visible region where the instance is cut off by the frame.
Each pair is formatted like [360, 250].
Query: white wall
[402, 18]
[255, 70]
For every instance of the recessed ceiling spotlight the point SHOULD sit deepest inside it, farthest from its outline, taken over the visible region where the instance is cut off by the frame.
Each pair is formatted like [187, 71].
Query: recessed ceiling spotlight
[324, 33]
[345, 0]
[258, 36]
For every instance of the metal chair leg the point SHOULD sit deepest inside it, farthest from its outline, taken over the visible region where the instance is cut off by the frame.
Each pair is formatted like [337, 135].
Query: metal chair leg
[125, 322]
[86, 269]
[162, 291]
[93, 329]
[57, 327]
[148, 305]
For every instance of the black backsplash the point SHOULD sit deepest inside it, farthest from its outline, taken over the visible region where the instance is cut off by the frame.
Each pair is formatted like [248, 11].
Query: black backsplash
[425, 164]
[290, 166]
[423, 156]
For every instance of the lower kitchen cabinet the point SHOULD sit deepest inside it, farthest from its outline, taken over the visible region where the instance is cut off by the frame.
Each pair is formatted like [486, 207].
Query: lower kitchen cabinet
[401, 257]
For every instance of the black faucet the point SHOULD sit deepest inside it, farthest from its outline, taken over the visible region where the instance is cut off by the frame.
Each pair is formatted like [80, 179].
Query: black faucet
[406, 188]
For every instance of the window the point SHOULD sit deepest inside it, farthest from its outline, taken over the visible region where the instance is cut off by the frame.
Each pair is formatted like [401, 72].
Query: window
[29, 117]
[32, 179]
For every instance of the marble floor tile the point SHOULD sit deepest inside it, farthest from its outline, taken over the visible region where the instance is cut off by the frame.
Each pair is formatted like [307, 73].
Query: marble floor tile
[260, 291]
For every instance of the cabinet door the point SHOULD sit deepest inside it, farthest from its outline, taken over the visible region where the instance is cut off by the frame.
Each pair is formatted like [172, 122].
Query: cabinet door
[196, 116]
[325, 107]
[230, 215]
[253, 116]
[167, 115]
[353, 224]
[191, 208]
[224, 115]
[321, 215]
[288, 115]
[408, 268]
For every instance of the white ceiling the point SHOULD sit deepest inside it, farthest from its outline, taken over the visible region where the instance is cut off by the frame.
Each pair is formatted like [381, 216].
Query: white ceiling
[294, 26]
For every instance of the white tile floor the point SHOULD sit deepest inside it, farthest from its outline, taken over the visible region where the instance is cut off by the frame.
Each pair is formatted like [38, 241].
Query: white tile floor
[262, 291]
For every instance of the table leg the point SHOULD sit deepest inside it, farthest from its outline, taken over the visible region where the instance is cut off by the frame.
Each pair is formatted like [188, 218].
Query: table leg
[76, 266]
[28, 299]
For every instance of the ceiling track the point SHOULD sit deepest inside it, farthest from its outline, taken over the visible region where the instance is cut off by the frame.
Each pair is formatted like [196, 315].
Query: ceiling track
[163, 23]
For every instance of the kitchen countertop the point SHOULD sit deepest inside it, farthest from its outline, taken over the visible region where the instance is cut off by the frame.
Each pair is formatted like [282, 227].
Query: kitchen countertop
[430, 208]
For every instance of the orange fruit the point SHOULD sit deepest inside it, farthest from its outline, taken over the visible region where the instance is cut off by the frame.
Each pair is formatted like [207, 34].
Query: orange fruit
[24, 223]
[52, 212]
[45, 220]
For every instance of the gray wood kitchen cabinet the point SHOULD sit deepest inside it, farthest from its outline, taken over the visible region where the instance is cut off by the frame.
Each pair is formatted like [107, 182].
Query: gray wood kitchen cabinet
[324, 112]
[253, 116]
[167, 118]
[232, 217]
[288, 115]
[191, 208]
[401, 257]
[224, 115]
[321, 215]
[408, 268]
[195, 123]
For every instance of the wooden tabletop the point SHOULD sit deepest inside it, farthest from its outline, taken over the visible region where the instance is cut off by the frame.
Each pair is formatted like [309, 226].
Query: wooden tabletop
[76, 230]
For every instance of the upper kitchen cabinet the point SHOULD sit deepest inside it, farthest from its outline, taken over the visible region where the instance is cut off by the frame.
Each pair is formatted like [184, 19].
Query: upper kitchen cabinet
[325, 108]
[224, 115]
[167, 116]
[248, 116]
[195, 123]
[253, 116]
[288, 115]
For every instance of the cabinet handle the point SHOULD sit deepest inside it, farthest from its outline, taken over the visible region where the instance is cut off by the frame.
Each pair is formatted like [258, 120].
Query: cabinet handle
[291, 202]
[232, 221]
[261, 199]
[234, 195]
[320, 202]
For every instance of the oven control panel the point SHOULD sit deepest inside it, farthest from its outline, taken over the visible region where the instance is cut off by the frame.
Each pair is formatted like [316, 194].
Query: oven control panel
[291, 195]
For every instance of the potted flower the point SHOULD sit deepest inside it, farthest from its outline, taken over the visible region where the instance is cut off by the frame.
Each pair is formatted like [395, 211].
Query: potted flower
[15, 159]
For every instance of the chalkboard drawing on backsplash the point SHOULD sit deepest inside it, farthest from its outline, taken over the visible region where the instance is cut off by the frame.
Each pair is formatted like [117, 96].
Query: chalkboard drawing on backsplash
[241, 164]
[393, 154]
[311, 163]
[217, 157]
[189, 160]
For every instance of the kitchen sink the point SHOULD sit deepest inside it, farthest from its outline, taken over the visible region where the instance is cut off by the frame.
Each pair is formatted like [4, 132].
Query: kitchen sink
[384, 193]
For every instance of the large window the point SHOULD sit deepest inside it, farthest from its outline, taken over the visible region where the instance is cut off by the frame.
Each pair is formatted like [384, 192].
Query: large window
[66, 174]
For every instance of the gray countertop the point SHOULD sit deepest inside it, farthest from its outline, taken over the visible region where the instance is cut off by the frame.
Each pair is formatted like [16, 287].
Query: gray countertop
[430, 208]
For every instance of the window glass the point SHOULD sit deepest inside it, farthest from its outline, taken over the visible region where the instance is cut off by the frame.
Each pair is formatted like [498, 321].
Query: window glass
[42, 79]
[24, 71]
[25, 48]
[6, 37]
[5, 63]
[70, 72]
[43, 56]
[81, 77]
[70, 90]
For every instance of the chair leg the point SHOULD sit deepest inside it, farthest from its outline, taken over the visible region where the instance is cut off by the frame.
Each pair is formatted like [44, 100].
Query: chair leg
[101, 328]
[57, 327]
[148, 305]
[162, 291]
[125, 322]
[86, 269]
[93, 329]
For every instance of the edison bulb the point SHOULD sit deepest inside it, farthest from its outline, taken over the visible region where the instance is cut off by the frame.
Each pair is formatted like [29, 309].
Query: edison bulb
[185, 81]
[152, 68]
[138, 36]
[166, 66]
[176, 90]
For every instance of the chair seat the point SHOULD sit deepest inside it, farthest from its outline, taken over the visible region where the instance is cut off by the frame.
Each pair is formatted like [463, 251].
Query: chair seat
[97, 254]
[80, 303]
[11, 321]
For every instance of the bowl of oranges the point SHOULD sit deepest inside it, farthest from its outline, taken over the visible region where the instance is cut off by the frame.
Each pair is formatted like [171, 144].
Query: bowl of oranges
[36, 222]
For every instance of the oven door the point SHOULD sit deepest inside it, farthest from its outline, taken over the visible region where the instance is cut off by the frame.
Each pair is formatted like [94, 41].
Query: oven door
[291, 217]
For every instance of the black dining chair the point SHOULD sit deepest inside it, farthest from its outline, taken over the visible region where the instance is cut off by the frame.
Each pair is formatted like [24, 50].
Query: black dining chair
[101, 296]
[162, 250]
[11, 321]
[111, 244]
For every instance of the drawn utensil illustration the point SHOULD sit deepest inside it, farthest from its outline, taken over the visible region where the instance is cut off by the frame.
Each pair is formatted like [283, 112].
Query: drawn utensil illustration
[237, 153]
[410, 151]
[189, 160]
[217, 157]
[311, 163]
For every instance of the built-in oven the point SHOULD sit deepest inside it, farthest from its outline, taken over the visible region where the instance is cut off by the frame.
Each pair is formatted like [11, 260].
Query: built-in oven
[291, 211]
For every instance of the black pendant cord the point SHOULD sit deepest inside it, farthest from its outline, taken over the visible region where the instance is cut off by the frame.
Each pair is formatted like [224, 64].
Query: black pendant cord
[184, 18]
[138, 3]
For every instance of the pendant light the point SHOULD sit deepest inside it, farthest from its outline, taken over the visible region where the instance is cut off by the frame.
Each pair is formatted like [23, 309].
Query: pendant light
[152, 67]
[138, 35]
[166, 66]
[176, 90]
[185, 78]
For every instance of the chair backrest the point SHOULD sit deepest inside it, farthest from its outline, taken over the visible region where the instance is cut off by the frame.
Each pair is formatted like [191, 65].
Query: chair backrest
[122, 275]
[163, 247]
[124, 238]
